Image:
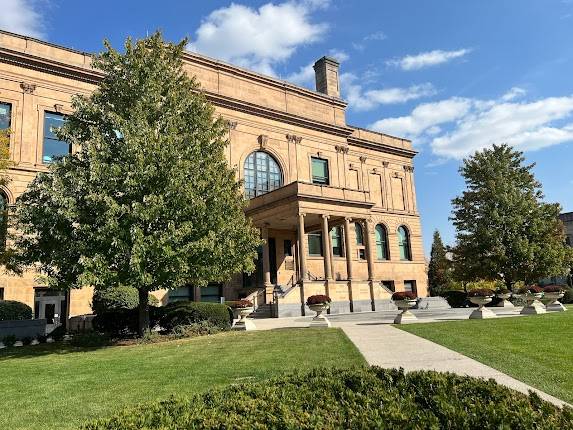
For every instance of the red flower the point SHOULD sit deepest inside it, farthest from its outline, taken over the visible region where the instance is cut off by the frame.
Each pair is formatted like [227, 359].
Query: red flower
[404, 295]
[318, 299]
[481, 292]
[241, 304]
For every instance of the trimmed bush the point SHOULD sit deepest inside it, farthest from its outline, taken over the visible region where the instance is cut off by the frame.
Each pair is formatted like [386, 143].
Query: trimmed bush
[13, 310]
[118, 322]
[350, 399]
[568, 297]
[115, 298]
[187, 313]
[456, 299]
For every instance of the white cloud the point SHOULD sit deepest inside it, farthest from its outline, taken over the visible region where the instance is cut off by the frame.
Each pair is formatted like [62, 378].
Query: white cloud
[376, 36]
[339, 55]
[513, 94]
[20, 16]
[259, 38]
[457, 127]
[427, 59]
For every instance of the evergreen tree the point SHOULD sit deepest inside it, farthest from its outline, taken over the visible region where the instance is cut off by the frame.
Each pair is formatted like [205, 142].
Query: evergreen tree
[504, 229]
[439, 266]
[149, 200]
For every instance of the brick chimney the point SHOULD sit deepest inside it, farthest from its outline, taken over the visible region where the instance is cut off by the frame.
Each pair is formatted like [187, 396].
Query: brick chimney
[326, 74]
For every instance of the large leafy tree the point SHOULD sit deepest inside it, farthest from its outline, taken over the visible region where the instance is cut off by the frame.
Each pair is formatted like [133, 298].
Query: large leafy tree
[439, 269]
[505, 231]
[148, 200]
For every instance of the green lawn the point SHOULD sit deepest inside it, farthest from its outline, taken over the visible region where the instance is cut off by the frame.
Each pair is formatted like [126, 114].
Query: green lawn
[47, 388]
[537, 349]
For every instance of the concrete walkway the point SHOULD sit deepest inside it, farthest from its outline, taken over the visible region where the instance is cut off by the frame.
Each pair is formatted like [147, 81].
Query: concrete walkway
[383, 345]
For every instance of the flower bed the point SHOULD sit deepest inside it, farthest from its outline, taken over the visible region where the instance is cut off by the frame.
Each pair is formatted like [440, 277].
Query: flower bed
[240, 304]
[532, 289]
[481, 292]
[318, 299]
[404, 295]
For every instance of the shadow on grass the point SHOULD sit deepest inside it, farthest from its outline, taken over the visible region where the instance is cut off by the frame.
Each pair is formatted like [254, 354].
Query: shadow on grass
[35, 351]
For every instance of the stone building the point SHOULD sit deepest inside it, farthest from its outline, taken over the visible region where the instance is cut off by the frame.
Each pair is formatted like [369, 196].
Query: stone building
[567, 220]
[336, 204]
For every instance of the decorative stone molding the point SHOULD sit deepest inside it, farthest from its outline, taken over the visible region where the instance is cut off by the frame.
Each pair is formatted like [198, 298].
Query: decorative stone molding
[27, 87]
[385, 163]
[352, 166]
[363, 159]
[263, 140]
[342, 149]
[319, 154]
[409, 168]
[397, 175]
[231, 125]
[59, 108]
[291, 138]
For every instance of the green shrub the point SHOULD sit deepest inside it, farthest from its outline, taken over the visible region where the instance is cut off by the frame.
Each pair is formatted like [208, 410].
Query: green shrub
[115, 298]
[90, 339]
[456, 299]
[350, 399]
[9, 340]
[58, 333]
[13, 310]
[117, 322]
[202, 328]
[186, 313]
[568, 297]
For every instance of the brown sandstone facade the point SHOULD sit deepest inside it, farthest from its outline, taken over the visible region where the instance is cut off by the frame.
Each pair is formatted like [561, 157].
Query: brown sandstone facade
[335, 203]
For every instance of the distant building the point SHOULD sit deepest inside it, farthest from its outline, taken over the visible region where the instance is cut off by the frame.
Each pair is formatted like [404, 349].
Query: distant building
[567, 219]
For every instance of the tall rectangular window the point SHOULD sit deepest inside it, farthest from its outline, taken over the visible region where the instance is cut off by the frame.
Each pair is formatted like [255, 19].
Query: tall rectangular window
[319, 171]
[410, 286]
[288, 248]
[53, 147]
[5, 115]
[315, 244]
[336, 239]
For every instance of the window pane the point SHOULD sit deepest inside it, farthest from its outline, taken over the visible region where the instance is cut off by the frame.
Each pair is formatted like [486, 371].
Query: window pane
[404, 244]
[359, 235]
[287, 248]
[315, 244]
[53, 148]
[381, 243]
[262, 174]
[52, 121]
[336, 239]
[319, 171]
[5, 115]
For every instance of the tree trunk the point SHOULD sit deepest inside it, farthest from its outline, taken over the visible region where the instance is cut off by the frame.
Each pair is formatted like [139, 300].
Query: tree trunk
[143, 308]
[509, 284]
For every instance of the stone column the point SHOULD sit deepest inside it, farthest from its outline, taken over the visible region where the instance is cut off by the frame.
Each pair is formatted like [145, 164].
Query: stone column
[368, 246]
[266, 258]
[302, 249]
[348, 246]
[326, 248]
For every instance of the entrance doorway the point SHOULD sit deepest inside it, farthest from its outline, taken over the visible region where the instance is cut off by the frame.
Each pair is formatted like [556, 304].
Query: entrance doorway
[51, 305]
[273, 259]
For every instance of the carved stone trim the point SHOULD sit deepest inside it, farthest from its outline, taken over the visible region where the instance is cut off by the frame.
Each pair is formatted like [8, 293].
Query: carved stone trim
[341, 148]
[409, 168]
[362, 159]
[385, 163]
[263, 140]
[231, 125]
[27, 87]
[291, 138]
[58, 108]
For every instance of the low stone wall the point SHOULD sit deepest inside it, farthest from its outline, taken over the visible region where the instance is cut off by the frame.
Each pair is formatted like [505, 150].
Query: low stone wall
[433, 303]
[23, 328]
[81, 323]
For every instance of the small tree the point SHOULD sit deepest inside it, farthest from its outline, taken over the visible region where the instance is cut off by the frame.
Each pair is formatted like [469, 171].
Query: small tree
[149, 200]
[504, 229]
[5, 162]
[439, 266]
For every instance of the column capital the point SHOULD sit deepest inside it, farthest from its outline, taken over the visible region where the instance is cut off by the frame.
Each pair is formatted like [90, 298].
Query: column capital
[301, 214]
[324, 216]
[348, 218]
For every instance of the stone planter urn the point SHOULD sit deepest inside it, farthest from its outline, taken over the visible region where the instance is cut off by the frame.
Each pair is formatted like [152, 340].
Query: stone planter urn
[504, 303]
[319, 320]
[405, 316]
[553, 303]
[243, 323]
[481, 312]
[534, 306]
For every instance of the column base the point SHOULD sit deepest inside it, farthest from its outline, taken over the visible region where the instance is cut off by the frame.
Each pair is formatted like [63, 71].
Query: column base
[505, 304]
[320, 322]
[244, 325]
[556, 307]
[481, 314]
[404, 317]
[534, 309]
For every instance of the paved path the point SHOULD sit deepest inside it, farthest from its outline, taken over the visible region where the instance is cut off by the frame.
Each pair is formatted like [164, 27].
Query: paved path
[383, 345]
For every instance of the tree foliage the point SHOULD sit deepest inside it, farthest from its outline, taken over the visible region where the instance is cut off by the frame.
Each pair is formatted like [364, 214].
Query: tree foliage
[148, 201]
[439, 267]
[5, 162]
[505, 230]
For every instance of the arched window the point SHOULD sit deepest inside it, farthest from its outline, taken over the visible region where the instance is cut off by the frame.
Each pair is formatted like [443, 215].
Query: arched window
[404, 243]
[3, 219]
[262, 174]
[382, 243]
[359, 234]
[336, 239]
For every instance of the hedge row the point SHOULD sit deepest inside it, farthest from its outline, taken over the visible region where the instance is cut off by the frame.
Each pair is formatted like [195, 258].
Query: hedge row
[116, 298]
[350, 399]
[13, 310]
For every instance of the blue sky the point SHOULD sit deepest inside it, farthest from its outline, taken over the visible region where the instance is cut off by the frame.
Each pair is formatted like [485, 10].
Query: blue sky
[454, 76]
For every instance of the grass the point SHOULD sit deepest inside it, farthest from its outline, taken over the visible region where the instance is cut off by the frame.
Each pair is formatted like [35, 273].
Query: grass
[47, 387]
[537, 349]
